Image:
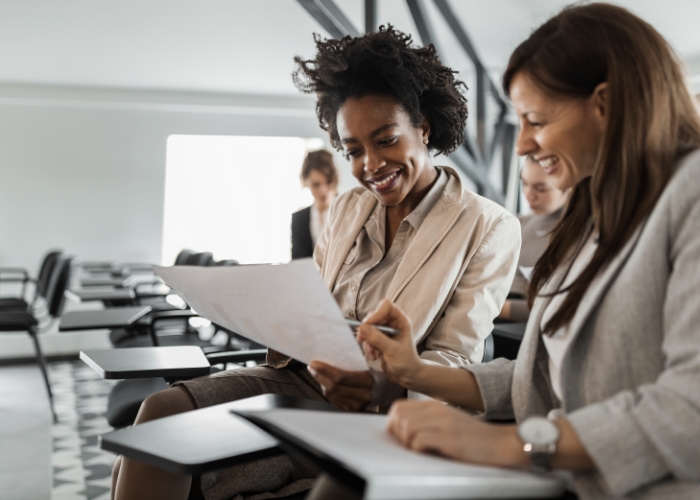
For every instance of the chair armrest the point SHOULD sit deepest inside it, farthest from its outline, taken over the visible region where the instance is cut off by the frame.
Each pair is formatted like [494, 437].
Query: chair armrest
[14, 271]
[151, 293]
[158, 316]
[216, 358]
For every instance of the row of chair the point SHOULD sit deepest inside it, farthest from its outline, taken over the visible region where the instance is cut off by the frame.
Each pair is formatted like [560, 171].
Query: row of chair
[165, 325]
[37, 314]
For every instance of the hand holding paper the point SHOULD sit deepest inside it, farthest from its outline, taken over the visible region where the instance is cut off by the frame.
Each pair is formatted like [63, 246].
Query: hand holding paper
[285, 307]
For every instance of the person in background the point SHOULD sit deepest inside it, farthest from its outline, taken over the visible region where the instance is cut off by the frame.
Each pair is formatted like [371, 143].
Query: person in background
[546, 204]
[319, 174]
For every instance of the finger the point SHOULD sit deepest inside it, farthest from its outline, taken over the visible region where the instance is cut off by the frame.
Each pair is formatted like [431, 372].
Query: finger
[389, 314]
[348, 398]
[367, 333]
[342, 377]
[406, 417]
[428, 441]
[370, 352]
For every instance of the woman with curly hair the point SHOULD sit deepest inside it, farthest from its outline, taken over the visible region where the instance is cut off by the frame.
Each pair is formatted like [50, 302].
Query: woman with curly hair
[410, 233]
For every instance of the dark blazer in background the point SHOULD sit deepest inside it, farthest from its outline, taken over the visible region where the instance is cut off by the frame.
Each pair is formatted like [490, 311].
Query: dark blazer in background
[302, 246]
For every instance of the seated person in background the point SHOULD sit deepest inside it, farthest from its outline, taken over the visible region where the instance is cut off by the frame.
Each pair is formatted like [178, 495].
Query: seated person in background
[546, 203]
[410, 233]
[318, 173]
[611, 354]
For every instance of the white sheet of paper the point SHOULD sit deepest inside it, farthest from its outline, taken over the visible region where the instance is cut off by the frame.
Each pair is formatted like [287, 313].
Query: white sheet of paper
[285, 307]
[361, 443]
[526, 272]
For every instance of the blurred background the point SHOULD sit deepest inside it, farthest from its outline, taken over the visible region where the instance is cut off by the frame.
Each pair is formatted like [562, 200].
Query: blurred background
[133, 129]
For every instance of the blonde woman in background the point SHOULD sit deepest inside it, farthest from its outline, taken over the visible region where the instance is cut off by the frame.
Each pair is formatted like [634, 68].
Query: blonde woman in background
[546, 204]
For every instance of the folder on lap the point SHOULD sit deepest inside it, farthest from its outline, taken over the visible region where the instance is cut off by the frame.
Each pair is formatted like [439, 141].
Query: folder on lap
[357, 450]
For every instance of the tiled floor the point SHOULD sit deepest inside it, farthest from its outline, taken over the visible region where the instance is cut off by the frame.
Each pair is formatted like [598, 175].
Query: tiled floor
[25, 435]
[41, 461]
[80, 470]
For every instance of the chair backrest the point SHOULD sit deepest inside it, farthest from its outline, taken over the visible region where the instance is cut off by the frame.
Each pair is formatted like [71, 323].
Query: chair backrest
[227, 262]
[488, 349]
[201, 259]
[58, 284]
[183, 256]
[45, 271]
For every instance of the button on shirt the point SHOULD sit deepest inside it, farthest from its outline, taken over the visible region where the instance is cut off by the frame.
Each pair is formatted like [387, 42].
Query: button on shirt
[364, 279]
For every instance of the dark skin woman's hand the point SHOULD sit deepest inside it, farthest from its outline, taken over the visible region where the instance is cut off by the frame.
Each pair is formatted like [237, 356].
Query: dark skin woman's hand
[350, 391]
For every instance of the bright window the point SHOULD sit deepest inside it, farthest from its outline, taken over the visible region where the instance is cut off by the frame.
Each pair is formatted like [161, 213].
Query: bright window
[233, 196]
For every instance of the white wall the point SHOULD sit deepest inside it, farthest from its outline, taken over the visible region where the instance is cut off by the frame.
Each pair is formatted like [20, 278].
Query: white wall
[83, 170]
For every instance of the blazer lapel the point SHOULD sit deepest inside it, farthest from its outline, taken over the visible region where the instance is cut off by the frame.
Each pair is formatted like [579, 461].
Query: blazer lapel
[598, 287]
[530, 366]
[432, 231]
[352, 225]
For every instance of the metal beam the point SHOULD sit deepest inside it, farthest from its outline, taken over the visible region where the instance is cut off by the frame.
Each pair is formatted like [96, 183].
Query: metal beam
[461, 34]
[330, 17]
[477, 175]
[370, 16]
[511, 168]
[420, 18]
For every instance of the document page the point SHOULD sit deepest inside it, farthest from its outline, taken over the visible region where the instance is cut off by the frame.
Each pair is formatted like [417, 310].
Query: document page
[286, 307]
[360, 442]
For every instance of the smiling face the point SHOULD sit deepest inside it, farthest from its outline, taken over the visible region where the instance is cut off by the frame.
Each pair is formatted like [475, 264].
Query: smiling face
[388, 154]
[540, 192]
[563, 135]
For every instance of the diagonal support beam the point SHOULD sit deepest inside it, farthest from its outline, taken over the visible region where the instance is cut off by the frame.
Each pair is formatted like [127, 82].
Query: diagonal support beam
[370, 16]
[420, 18]
[464, 40]
[330, 17]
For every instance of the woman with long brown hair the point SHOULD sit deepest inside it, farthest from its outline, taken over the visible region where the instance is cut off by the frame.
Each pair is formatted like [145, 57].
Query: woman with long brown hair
[607, 380]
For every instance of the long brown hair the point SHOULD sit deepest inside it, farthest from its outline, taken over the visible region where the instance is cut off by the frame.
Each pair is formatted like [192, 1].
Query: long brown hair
[652, 123]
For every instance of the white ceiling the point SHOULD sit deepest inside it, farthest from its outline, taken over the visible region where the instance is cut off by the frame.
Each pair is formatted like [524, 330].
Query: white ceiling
[247, 46]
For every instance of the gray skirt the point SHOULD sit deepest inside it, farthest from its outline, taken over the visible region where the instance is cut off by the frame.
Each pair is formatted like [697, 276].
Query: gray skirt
[273, 477]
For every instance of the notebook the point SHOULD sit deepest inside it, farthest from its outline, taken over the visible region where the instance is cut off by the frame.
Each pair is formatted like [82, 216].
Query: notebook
[358, 445]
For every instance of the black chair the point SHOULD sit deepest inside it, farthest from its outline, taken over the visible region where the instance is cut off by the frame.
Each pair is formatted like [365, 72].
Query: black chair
[126, 396]
[183, 257]
[227, 262]
[41, 283]
[14, 321]
[507, 338]
[201, 259]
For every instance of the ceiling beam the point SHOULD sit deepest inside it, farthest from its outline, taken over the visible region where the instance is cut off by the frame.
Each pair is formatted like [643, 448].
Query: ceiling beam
[330, 17]
[370, 16]
[420, 18]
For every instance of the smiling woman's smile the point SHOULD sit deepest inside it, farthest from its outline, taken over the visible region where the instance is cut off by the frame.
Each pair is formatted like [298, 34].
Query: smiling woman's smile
[388, 153]
[562, 135]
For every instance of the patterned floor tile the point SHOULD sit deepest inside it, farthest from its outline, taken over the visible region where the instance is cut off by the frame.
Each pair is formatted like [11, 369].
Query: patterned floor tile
[81, 471]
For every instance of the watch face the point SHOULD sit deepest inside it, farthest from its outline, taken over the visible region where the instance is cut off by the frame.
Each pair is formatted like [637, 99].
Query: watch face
[538, 431]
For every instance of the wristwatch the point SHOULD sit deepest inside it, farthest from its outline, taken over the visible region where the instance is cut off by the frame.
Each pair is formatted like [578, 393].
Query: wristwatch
[540, 437]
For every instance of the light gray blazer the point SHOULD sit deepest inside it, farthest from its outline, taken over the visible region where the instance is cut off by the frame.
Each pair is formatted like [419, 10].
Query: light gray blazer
[631, 376]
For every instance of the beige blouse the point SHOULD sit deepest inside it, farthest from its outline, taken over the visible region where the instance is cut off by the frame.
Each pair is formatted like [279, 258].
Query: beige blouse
[364, 279]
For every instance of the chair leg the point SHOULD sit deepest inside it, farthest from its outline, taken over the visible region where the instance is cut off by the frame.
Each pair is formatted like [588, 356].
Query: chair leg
[44, 370]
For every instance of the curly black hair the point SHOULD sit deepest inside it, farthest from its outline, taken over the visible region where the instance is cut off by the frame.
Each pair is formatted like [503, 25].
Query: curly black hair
[385, 63]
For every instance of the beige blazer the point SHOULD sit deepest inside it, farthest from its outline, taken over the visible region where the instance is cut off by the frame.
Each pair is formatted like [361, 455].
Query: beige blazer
[454, 277]
[631, 376]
